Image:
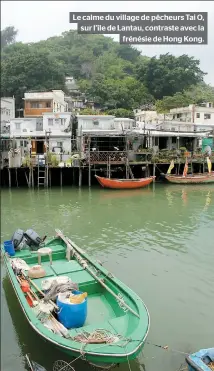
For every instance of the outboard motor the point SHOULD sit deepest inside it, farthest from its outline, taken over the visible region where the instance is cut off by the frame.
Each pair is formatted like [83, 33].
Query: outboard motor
[17, 238]
[32, 239]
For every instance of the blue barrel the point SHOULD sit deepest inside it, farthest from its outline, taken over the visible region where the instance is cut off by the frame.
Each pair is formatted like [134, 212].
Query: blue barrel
[9, 247]
[72, 315]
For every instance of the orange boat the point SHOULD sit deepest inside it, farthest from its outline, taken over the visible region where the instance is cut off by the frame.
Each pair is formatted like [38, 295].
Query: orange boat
[124, 183]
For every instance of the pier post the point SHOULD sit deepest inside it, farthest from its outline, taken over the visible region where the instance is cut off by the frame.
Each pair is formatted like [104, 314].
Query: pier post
[154, 166]
[17, 184]
[9, 176]
[179, 164]
[108, 167]
[73, 175]
[49, 174]
[80, 176]
[32, 176]
[89, 162]
[60, 177]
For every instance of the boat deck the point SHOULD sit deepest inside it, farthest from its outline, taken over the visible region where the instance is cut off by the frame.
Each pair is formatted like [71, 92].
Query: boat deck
[102, 311]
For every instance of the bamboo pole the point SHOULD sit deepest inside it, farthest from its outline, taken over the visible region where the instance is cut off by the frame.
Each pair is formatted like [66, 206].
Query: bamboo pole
[38, 289]
[70, 244]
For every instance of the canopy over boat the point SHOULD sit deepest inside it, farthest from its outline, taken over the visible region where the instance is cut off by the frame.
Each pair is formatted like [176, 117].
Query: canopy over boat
[124, 183]
[114, 310]
[201, 360]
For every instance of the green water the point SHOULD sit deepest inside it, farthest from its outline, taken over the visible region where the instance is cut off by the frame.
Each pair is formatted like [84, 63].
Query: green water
[159, 241]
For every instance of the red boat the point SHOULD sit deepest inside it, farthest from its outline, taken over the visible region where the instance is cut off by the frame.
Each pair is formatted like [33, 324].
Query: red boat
[124, 183]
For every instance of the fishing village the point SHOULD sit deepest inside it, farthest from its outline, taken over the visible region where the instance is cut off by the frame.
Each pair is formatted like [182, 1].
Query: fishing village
[64, 148]
[107, 214]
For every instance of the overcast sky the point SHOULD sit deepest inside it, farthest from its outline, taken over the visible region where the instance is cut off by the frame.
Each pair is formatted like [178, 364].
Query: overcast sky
[38, 20]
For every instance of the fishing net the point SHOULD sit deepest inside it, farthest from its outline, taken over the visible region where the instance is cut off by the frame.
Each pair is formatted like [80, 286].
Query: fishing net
[37, 367]
[62, 366]
[99, 336]
[57, 288]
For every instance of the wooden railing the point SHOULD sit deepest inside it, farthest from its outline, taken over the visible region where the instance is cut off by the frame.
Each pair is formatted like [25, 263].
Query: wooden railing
[106, 156]
[36, 111]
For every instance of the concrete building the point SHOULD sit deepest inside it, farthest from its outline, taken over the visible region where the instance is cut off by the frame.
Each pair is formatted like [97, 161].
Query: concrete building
[89, 123]
[7, 113]
[37, 103]
[149, 117]
[32, 132]
[201, 114]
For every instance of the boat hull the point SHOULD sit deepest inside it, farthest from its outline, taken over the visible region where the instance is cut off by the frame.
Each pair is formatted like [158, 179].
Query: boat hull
[94, 354]
[124, 183]
[195, 361]
[194, 179]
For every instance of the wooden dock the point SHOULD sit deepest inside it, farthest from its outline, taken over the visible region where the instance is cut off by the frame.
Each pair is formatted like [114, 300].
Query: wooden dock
[105, 163]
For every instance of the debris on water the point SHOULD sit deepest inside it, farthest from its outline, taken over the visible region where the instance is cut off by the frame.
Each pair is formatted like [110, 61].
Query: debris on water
[34, 366]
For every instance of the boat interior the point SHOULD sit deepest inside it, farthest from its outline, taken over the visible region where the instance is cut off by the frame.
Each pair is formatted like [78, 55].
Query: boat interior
[103, 310]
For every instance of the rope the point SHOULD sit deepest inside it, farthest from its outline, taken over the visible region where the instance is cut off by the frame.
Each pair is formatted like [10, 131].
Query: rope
[167, 348]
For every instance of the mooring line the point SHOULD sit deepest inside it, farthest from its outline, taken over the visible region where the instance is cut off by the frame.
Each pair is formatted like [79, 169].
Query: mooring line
[167, 348]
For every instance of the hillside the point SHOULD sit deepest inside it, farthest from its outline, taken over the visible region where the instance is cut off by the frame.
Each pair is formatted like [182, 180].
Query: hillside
[114, 75]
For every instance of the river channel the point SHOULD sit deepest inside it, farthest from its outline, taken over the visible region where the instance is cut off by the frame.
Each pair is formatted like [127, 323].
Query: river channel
[158, 240]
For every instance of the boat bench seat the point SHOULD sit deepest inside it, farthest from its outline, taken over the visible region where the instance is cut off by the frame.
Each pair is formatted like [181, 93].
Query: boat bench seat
[62, 267]
[71, 269]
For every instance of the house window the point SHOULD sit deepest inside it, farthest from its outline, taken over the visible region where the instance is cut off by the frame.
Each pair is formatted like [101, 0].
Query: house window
[207, 116]
[21, 143]
[50, 122]
[25, 143]
[18, 125]
[59, 144]
[57, 121]
[48, 104]
[96, 122]
[210, 105]
[36, 105]
[198, 115]
[62, 121]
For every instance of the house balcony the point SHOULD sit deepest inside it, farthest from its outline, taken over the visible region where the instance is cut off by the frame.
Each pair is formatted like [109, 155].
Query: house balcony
[36, 112]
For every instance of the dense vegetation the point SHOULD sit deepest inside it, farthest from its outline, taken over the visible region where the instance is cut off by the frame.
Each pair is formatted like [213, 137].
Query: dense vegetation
[116, 76]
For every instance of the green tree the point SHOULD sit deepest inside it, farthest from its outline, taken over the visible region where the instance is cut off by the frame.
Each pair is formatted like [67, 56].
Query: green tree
[121, 112]
[32, 70]
[195, 95]
[166, 75]
[8, 36]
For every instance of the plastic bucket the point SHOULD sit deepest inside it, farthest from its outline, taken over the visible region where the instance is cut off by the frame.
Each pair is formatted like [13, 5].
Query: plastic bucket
[9, 247]
[72, 315]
